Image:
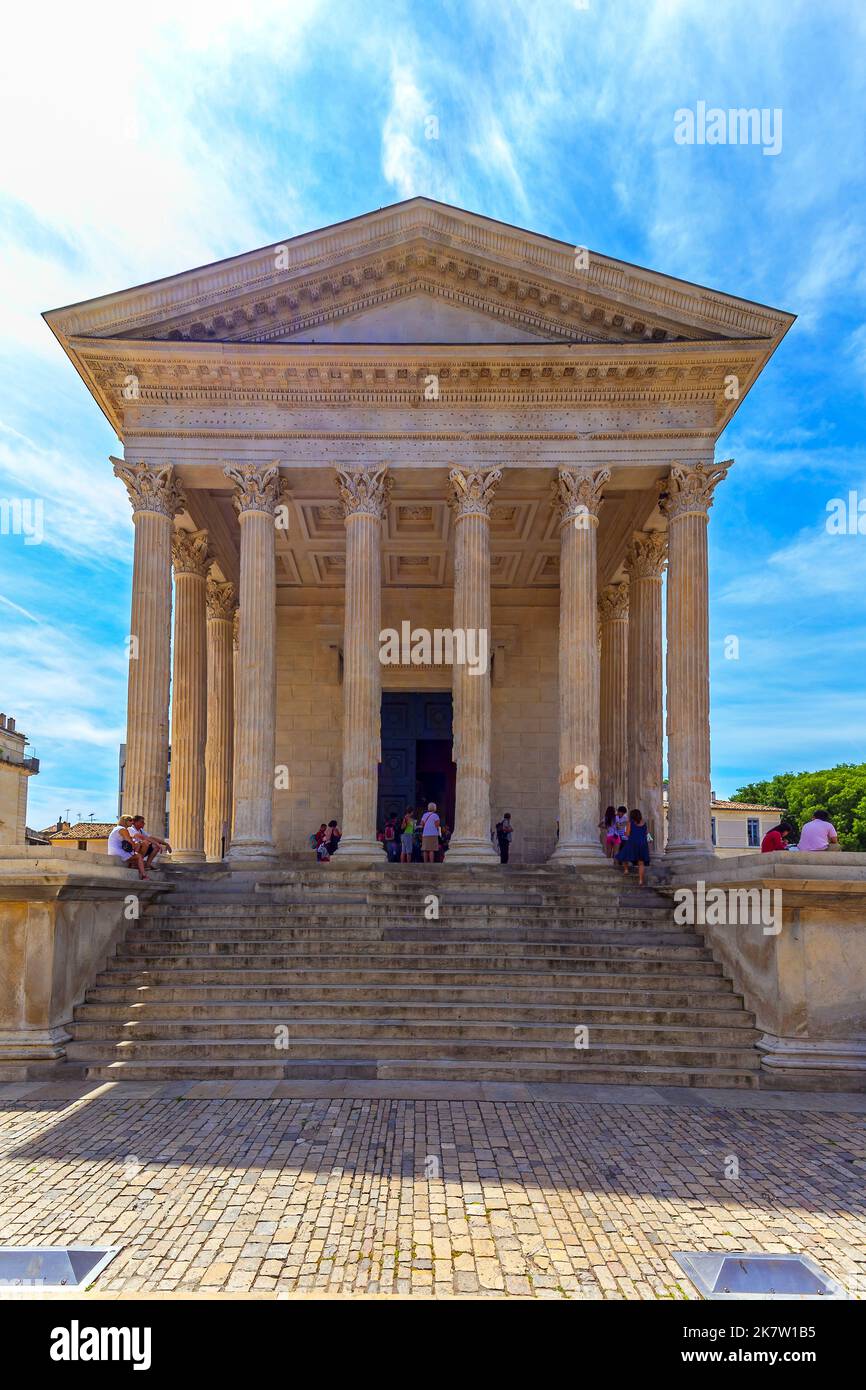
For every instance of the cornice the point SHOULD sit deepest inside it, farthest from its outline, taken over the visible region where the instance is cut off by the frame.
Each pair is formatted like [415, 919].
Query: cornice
[450, 235]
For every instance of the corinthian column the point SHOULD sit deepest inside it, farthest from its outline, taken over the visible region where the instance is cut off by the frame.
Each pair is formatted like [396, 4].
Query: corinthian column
[471, 495]
[577, 497]
[365, 493]
[156, 498]
[221, 610]
[189, 553]
[615, 695]
[685, 498]
[259, 493]
[645, 561]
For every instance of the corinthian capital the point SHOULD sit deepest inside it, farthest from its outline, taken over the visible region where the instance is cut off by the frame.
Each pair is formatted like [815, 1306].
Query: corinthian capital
[365, 491]
[151, 488]
[221, 599]
[472, 490]
[190, 553]
[258, 489]
[647, 555]
[613, 603]
[577, 494]
[688, 490]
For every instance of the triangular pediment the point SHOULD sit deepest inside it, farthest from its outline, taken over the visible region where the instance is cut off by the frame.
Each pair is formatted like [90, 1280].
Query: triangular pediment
[418, 316]
[421, 272]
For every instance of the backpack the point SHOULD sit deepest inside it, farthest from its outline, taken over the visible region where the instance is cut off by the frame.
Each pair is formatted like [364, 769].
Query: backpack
[314, 844]
[389, 832]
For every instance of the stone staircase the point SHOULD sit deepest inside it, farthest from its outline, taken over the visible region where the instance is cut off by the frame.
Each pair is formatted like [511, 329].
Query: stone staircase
[312, 973]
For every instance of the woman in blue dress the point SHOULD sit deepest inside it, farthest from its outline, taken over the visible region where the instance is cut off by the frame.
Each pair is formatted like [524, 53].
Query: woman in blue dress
[635, 847]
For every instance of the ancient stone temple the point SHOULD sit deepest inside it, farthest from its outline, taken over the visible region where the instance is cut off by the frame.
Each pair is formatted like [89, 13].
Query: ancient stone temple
[417, 477]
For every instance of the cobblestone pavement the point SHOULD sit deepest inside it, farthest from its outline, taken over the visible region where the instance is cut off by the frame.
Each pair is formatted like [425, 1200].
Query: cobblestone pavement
[540, 1199]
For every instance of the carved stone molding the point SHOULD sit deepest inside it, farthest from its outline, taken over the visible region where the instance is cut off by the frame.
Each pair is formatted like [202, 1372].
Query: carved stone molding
[190, 552]
[688, 491]
[150, 489]
[577, 494]
[258, 489]
[365, 491]
[472, 490]
[221, 599]
[613, 603]
[647, 555]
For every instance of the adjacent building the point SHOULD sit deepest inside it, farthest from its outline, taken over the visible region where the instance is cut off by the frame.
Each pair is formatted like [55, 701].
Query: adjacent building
[16, 769]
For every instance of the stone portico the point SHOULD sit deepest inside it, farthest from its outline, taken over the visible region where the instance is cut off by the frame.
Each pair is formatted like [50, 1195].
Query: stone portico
[418, 416]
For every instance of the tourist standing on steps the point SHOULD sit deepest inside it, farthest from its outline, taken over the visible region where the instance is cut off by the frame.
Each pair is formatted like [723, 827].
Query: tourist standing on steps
[609, 835]
[620, 822]
[407, 835]
[430, 827]
[635, 847]
[504, 832]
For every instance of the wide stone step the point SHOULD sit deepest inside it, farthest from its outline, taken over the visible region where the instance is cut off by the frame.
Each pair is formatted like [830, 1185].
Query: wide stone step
[639, 975]
[426, 1049]
[599, 1032]
[240, 1012]
[412, 1069]
[631, 959]
[168, 944]
[605, 994]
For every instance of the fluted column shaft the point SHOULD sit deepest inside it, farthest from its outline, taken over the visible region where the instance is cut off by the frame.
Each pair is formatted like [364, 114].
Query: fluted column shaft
[365, 495]
[614, 694]
[220, 718]
[258, 495]
[578, 499]
[645, 563]
[471, 497]
[155, 497]
[188, 696]
[685, 499]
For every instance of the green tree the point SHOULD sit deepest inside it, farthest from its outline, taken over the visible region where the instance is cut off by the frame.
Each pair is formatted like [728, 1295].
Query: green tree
[840, 791]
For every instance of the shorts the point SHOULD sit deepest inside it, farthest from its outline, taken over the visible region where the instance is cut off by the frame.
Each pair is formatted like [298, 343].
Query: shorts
[429, 842]
[406, 843]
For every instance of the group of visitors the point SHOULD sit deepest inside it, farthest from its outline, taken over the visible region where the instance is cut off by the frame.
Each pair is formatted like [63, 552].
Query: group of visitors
[326, 841]
[819, 833]
[131, 842]
[417, 836]
[626, 839]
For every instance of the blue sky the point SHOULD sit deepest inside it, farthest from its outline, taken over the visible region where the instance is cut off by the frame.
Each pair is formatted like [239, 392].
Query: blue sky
[145, 141]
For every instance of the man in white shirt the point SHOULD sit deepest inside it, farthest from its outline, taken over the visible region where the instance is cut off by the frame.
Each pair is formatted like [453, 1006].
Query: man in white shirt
[149, 845]
[122, 844]
[818, 833]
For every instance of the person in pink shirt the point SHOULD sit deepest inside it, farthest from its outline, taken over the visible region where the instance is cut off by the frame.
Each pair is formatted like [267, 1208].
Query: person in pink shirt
[818, 833]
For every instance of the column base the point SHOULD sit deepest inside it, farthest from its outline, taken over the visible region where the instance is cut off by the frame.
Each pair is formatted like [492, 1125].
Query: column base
[247, 851]
[469, 850]
[577, 853]
[187, 856]
[357, 852]
[33, 1044]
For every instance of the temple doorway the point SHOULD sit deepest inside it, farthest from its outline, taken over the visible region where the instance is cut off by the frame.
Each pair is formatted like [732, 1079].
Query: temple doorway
[416, 764]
